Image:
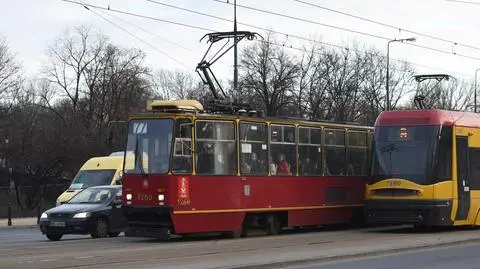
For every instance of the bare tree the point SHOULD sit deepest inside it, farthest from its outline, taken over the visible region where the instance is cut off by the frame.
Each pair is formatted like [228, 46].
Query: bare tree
[174, 85]
[69, 57]
[11, 77]
[269, 74]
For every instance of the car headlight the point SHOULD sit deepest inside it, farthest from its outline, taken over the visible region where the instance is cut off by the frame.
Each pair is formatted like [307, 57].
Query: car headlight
[82, 215]
[44, 216]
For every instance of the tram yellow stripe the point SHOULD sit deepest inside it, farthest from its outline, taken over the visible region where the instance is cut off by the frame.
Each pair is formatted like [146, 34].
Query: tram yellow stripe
[194, 211]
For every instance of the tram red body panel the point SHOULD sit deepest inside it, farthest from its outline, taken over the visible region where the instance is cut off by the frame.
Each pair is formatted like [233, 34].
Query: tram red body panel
[219, 203]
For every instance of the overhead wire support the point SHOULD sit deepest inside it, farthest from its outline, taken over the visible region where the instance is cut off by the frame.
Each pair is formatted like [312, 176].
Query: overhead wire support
[208, 77]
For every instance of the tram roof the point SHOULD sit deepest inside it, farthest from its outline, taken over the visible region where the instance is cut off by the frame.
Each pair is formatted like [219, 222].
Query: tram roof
[274, 120]
[428, 117]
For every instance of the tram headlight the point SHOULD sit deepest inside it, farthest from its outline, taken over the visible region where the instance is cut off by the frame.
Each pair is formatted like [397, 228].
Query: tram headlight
[161, 197]
[128, 196]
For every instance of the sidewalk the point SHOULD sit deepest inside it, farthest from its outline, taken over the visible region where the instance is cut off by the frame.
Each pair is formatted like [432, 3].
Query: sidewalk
[19, 223]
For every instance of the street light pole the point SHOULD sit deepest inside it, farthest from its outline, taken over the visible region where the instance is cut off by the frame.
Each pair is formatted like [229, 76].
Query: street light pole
[9, 208]
[475, 92]
[411, 39]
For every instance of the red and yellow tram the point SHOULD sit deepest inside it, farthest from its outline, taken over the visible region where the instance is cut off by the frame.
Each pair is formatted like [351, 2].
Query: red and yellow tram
[187, 171]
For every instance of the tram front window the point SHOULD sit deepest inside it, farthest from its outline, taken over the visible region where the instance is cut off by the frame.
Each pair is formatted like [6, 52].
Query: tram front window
[405, 152]
[149, 146]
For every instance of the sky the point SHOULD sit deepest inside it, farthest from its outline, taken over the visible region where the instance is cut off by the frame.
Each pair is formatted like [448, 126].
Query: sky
[30, 26]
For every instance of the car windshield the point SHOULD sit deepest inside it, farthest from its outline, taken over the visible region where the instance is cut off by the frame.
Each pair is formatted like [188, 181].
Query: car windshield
[94, 196]
[91, 178]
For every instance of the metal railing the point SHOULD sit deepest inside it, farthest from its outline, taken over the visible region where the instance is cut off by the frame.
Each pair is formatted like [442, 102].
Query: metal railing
[28, 201]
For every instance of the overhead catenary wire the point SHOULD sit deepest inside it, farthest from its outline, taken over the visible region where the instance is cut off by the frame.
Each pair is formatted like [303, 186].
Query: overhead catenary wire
[464, 2]
[139, 39]
[140, 16]
[347, 29]
[148, 32]
[400, 61]
[245, 24]
[286, 34]
[388, 25]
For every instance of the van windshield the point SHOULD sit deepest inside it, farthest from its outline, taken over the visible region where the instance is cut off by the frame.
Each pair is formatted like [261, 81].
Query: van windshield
[89, 178]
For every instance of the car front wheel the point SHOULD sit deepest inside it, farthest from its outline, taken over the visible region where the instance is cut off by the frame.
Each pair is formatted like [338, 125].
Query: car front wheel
[54, 237]
[100, 229]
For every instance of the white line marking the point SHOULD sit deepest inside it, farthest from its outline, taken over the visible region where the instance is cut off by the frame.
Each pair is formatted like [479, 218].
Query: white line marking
[49, 260]
[83, 257]
[26, 261]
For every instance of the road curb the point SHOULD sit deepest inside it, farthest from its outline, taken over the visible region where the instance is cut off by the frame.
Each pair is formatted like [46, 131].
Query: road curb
[19, 226]
[370, 254]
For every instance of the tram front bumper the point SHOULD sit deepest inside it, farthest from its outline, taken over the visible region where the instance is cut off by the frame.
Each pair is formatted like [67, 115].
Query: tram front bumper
[420, 212]
[153, 222]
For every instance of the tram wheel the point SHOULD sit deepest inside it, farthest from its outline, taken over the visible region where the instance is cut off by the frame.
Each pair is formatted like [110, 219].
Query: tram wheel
[273, 225]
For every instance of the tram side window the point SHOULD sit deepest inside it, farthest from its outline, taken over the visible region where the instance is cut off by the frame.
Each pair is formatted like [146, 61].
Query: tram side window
[182, 154]
[334, 152]
[474, 169]
[309, 151]
[253, 148]
[215, 147]
[444, 163]
[357, 153]
[283, 153]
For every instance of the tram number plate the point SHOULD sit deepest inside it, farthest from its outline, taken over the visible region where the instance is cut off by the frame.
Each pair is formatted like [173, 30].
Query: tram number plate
[57, 224]
[184, 202]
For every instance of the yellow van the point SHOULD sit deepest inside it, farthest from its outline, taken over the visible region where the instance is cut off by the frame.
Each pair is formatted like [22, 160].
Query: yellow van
[105, 170]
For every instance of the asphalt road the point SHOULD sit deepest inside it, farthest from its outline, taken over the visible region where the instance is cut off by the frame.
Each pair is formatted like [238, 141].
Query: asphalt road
[27, 248]
[459, 257]
[28, 235]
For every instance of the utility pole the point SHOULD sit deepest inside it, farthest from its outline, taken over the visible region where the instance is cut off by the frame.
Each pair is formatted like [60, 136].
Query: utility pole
[235, 67]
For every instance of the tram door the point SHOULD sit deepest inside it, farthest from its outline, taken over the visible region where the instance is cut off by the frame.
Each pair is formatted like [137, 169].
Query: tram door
[462, 178]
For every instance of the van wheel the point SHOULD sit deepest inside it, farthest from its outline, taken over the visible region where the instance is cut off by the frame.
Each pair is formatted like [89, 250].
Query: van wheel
[54, 237]
[100, 229]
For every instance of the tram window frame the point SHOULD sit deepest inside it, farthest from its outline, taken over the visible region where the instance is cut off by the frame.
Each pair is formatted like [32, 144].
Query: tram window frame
[184, 140]
[360, 149]
[276, 151]
[257, 145]
[213, 150]
[336, 151]
[310, 149]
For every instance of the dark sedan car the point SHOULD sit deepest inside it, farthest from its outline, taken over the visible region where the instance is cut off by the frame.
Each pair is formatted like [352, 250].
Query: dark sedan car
[95, 211]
